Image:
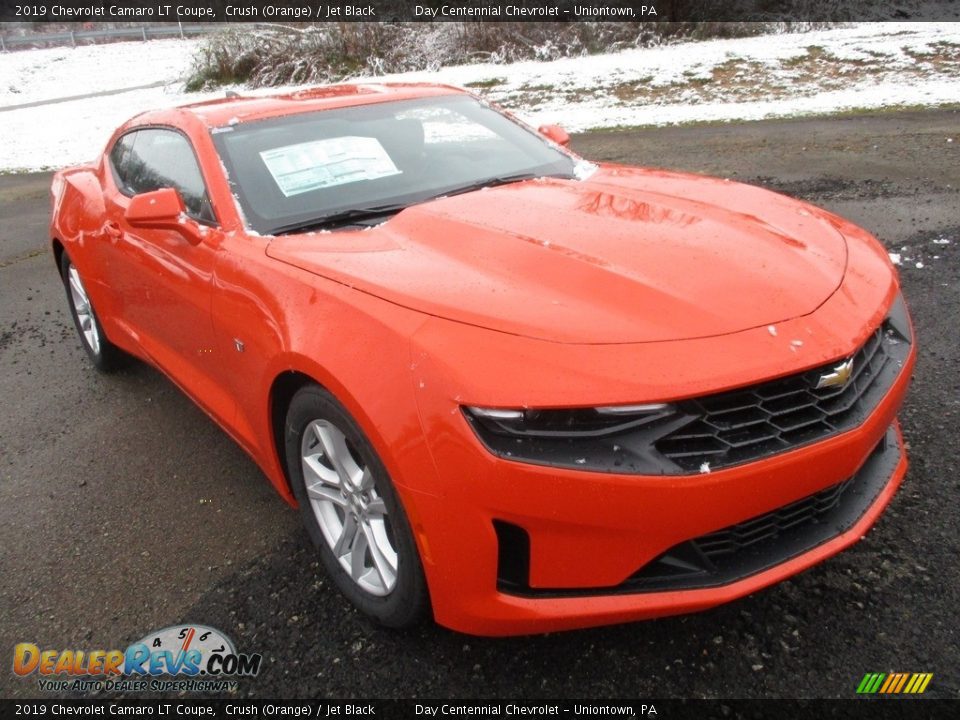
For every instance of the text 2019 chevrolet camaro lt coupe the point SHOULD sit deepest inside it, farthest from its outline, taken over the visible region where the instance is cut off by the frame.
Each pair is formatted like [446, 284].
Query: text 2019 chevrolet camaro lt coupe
[504, 385]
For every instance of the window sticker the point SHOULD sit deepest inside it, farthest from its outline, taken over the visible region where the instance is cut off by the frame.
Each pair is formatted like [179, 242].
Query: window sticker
[324, 163]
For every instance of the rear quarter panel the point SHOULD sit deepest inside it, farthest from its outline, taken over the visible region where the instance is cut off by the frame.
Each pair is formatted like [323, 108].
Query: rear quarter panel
[77, 219]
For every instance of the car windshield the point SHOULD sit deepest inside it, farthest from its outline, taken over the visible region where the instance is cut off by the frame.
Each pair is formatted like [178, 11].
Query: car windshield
[363, 163]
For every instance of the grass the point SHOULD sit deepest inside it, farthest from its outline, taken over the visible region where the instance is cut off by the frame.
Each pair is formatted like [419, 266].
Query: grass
[844, 113]
[537, 88]
[945, 56]
[486, 84]
[892, 109]
[814, 52]
[814, 71]
[23, 171]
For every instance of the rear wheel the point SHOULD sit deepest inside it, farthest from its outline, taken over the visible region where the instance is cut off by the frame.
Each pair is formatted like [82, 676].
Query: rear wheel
[352, 511]
[104, 355]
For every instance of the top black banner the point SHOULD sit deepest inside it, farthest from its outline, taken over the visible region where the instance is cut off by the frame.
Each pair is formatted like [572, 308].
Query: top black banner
[313, 11]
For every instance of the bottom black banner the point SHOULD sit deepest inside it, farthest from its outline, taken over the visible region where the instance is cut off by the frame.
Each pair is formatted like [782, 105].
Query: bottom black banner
[330, 709]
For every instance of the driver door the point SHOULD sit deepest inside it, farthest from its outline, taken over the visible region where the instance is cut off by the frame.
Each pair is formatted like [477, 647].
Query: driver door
[162, 280]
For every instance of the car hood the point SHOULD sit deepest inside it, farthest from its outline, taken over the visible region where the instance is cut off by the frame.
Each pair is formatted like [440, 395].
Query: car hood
[628, 255]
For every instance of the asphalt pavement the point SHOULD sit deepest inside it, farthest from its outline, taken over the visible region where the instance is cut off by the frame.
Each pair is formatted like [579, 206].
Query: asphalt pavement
[124, 509]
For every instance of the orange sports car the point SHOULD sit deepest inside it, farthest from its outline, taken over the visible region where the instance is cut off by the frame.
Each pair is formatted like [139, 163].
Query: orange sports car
[504, 385]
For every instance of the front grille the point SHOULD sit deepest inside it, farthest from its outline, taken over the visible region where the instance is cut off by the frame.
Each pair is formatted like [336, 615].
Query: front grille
[751, 423]
[716, 431]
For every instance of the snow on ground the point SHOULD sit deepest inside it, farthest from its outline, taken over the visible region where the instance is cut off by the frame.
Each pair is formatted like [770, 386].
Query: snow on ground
[868, 66]
[919, 253]
[864, 66]
[36, 75]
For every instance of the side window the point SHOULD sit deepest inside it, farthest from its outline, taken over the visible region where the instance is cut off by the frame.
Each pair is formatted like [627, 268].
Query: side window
[157, 159]
[118, 158]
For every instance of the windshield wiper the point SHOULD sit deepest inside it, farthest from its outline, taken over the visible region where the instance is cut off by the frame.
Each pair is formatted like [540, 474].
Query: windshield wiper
[345, 217]
[501, 180]
[359, 215]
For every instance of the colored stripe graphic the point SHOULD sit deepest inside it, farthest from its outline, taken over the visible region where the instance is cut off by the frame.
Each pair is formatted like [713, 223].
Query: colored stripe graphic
[870, 683]
[894, 683]
[892, 678]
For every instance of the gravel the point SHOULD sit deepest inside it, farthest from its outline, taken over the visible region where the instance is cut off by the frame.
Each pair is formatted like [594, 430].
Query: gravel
[126, 509]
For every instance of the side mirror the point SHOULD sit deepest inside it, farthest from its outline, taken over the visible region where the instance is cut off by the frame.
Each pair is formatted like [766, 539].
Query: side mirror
[555, 133]
[164, 210]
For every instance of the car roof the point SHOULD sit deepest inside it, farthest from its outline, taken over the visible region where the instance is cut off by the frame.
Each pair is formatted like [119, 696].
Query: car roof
[232, 109]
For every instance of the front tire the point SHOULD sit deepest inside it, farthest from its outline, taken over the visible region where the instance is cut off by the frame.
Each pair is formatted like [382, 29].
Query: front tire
[352, 512]
[104, 355]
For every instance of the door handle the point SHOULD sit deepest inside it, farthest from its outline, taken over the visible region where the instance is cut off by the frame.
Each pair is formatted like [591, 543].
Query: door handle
[112, 230]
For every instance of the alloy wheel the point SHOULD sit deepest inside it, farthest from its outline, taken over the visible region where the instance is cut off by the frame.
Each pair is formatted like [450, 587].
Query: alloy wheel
[348, 508]
[81, 304]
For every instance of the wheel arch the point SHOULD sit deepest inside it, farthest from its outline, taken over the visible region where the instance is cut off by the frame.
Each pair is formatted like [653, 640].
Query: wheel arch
[57, 247]
[296, 371]
[285, 385]
[282, 389]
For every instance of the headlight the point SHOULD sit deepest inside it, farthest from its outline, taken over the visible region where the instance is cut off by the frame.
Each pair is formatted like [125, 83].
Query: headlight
[616, 438]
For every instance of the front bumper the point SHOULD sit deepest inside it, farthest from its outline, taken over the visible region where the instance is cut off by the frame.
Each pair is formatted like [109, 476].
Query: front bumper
[731, 553]
[591, 534]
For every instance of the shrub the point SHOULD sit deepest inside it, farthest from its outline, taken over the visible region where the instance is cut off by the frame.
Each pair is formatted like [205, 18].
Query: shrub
[329, 52]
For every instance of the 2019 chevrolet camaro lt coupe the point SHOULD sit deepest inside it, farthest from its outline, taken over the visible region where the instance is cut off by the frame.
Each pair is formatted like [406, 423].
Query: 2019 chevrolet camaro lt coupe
[503, 385]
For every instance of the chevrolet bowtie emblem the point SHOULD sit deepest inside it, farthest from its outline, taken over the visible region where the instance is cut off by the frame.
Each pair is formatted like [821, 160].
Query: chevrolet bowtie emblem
[838, 377]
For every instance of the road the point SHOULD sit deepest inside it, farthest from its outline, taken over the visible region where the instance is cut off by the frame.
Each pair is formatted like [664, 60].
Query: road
[124, 509]
[82, 96]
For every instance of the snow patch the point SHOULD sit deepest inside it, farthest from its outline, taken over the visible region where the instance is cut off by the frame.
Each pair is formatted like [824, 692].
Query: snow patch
[716, 80]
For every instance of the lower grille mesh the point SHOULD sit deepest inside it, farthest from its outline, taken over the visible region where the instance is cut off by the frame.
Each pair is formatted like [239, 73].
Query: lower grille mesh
[809, 510]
